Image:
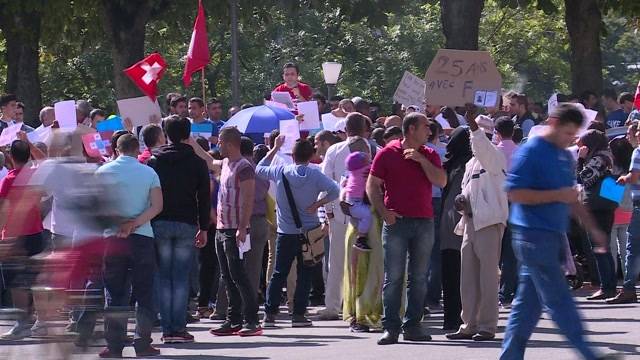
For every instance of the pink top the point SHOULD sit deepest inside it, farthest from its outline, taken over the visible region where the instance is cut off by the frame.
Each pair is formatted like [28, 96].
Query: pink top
[508, 147]
[357, 183]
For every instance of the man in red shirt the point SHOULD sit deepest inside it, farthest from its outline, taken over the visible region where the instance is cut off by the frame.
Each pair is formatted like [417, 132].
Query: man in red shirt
[399, 187]
[21, 235]
[298, 90]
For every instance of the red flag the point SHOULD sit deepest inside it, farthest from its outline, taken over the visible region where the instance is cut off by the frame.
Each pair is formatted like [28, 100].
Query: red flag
[147, 73]
[98, 144]
[636, 100]
[198, 55]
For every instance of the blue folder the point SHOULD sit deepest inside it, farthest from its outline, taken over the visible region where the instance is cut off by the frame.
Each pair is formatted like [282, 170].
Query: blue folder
[609, 189]
[110, 124]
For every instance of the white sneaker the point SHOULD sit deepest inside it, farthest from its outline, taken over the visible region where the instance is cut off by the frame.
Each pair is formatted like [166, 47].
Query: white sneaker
[328, 315]
[40, 329]
[19, 331]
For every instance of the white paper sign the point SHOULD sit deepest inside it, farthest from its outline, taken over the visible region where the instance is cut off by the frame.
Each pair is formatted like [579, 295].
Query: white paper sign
[244, 247]
[485, 98]
[410, 91]
[552, 104]
[40, 134]
[329, 121]
[290, 129]
[9, 134]
[283, 97]
[276, 104]
[311, 120]
[139, 110]
[66, 114]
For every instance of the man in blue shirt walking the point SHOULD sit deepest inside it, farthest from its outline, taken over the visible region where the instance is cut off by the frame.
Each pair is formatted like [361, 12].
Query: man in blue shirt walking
[542, 202]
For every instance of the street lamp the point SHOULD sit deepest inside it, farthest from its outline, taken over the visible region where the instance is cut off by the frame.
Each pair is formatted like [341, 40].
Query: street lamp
[331, 73]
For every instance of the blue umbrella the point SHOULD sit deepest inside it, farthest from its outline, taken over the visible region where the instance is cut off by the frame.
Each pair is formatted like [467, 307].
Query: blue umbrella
[259, 119]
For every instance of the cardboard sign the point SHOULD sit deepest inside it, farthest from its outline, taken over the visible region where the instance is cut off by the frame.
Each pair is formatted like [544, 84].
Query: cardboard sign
[410, 91]
[139, 110]
[454, 77]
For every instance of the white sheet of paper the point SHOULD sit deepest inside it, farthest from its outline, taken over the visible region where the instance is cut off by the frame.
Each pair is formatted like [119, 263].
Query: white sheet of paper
[329, 122]
[291, 131]
[478, 97]
[491, 99]
[311, 115]
[552, 104]
[283, 97]
[9, 134]
[40, 134]
[139, 110]
[244, 247]
[66, 114]
[276, 104]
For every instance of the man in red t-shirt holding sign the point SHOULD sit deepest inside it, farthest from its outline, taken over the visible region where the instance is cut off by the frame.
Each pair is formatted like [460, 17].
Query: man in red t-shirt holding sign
[298, 90]
[399, 187]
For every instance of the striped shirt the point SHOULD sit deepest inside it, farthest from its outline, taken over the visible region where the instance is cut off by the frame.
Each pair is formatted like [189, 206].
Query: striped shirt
[635, 167]
[229, 196]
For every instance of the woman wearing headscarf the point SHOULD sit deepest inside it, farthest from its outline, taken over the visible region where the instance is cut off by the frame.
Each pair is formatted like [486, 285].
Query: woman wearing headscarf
[594, 165]
[457, 155]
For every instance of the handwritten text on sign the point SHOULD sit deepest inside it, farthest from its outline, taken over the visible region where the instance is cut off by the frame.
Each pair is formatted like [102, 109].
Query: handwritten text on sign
[410, 91]
[455, 75]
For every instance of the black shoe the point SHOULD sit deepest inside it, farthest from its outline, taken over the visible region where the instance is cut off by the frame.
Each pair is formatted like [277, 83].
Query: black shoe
[358, 328]
[415, 333]
[298, 321]
[602, 295]
[269, 321]
[362, 244]
[226, 329]
[388, 338]
[191, 319]
[459, 336]
[483, 336]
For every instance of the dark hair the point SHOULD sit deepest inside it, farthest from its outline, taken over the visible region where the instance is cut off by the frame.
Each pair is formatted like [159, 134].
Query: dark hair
[214, 101]
[393, 131]
[622, 150]
[96, 112]
[410, 120]
[504, 126]
[624, 97]
[291, 66]
[356, 124]
[20, 105]
[171, 96]
[597, 125]
[197, 100]
[128, 144]
[151, 135]
[337, 98]
[20, 152]
[114, 138]
[326, 135]
[378, 135]
[610, 94]
[231, 135]
[595, 140]
[585, 95]
[518, 135]
[436, 130]
[568, 114]
[303, 151]
[178, 99]
[362, 106]
[319, 97]
[204, 143]
[6, 99]
[259, 152]
[246, 146]
[521, 99]
[451, 116]
[177, 128]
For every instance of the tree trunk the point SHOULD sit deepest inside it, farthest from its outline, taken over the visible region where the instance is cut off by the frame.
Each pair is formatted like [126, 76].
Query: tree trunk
[21, 31]
[124, 22]
[461, 22]
[584, 25]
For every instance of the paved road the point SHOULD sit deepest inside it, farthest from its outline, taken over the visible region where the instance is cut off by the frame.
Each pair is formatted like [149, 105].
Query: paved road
[609, 328]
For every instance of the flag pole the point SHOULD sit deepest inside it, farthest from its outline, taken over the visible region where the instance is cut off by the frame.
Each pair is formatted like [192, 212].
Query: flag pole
[203, 88]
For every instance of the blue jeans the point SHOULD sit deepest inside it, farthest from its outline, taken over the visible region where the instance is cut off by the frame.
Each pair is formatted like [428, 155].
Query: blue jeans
[132, 258]
[175, 249]
[632, 266]
[434, 277]
[288, 247]
[508, 269]
[412, 237]
[542, 283]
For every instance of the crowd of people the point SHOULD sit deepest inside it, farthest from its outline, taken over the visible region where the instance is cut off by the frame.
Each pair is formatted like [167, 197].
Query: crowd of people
[455, 208]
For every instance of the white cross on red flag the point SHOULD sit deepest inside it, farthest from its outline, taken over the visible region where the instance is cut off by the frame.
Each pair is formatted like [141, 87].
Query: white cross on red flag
[147, 73]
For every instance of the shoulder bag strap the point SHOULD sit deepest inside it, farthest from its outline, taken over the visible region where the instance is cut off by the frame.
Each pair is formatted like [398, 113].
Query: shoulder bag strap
[292, 203]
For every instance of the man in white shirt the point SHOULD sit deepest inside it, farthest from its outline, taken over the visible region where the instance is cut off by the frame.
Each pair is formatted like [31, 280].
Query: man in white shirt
[334, 167]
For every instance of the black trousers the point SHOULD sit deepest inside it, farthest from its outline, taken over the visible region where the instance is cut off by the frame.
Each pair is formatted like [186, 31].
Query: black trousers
[451, 289]
[209, 271]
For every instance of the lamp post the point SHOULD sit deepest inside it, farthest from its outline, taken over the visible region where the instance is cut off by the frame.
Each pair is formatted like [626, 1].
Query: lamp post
[331, 73]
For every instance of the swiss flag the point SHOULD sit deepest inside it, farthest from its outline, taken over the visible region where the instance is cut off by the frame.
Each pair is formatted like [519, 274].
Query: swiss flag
[198, 55]
[636, 101]
[147, 73]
